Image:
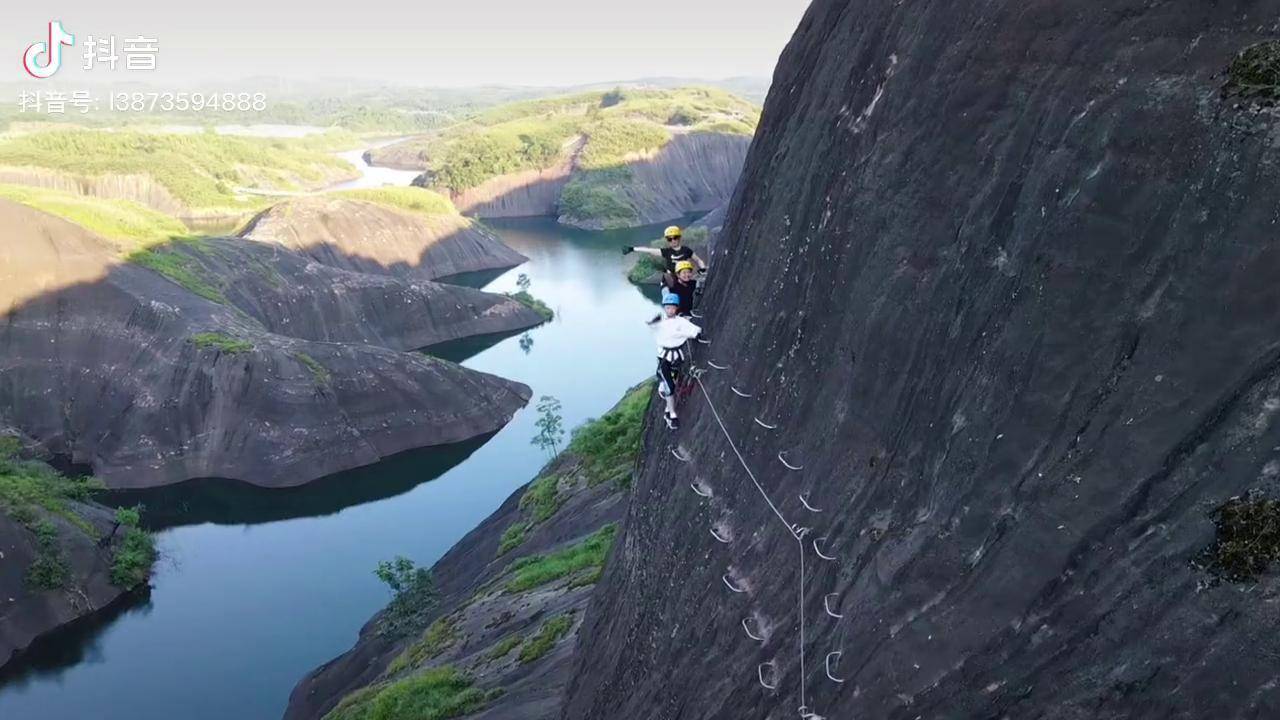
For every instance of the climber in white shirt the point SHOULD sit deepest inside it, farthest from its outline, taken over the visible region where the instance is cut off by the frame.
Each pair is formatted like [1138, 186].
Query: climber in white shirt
[671, 331]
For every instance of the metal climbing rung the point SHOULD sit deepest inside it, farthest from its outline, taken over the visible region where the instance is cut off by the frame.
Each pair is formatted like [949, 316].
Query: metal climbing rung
[826, 605]
[717, 367]
[698, 491]
[760, 675]
[765, 425]
[696, 315]
[716, 535]
[819, 550]
[807, 714]
[788, 465]
[804, 501]
[830, 655]
[738, 392]
[703, 342]
[680, 457]
[750, 634]
[731, 586]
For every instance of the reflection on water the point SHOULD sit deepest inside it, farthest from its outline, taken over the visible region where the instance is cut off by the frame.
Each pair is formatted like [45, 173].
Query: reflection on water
[75, 644]
[229, 502]
[257, 588]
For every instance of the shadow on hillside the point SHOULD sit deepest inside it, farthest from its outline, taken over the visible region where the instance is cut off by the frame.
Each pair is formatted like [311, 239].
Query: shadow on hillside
[231, 502]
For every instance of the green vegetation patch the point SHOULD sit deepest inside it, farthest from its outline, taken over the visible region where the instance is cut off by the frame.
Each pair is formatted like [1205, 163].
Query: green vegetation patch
[179, 267]
[543, 498]
[610, 141]
[533, 303]
[203, 170]
[131, 564]
[28, 487]
[1248, 539]
[221, 343]
[441, 636]
[609, 446]
[1255, 73]
[469, 156]
[410, 199]
[318, 371]
[600, 196]
[437, 694]
[414, 597]
[538, 570]
[49, 571]
[127, 224]
[546, 638]
[502, 649]
[512, 537]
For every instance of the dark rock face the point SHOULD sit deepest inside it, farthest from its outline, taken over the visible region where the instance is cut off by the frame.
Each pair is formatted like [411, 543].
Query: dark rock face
[367, 237]
[27, 613]
[1004, 278]
[99, 363]
[293, 295]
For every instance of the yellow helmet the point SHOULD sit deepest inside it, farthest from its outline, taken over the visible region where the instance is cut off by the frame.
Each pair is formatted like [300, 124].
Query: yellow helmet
[672, 232]
[684, 265]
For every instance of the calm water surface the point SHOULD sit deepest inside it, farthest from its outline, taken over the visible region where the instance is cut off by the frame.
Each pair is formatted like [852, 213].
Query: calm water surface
[257, 588]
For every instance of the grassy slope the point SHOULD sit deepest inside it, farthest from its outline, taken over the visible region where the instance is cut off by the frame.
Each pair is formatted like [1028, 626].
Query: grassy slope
[203, 171]
[602, 450]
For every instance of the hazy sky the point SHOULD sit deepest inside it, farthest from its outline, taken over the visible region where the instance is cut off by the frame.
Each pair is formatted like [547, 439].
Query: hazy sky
[423, 42]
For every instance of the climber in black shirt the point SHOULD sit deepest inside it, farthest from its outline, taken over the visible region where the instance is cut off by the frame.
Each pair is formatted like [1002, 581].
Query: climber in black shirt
[685, 287]
[674, 252]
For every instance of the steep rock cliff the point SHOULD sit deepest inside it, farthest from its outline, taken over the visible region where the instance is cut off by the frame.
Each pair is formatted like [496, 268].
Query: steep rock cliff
[999, 281]
[693, 172]
[114, 366]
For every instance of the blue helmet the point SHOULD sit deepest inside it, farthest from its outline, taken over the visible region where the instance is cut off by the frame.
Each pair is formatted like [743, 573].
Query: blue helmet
[670, 298]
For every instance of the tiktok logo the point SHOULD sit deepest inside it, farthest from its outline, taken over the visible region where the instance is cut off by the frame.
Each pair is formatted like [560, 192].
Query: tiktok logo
[51, 50]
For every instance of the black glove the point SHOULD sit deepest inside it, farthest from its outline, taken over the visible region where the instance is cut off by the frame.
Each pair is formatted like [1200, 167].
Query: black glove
[628, 250]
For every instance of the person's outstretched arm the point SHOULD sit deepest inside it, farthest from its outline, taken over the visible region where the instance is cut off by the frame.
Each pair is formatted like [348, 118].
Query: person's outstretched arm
[643, 250]
[698, 259]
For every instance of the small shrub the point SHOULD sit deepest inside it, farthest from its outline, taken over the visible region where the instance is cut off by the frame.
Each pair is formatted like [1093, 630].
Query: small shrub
[533, 304]
[9, 447]
[415, 596]
[1255, 72]
[222, 343]
[1248, 539]
[132, 563]
[178, 268]
[546, 638]
[609, 446]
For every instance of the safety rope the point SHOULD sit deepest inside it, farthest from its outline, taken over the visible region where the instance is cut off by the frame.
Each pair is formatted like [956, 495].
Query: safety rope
[795, 532]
